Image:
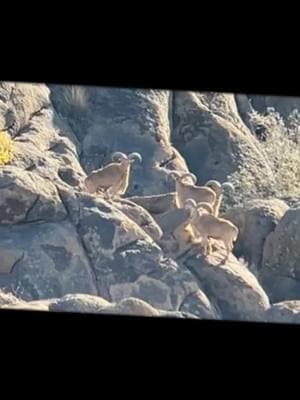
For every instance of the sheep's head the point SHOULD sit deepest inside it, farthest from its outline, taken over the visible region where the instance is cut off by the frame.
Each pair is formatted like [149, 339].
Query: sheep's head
[215, 186]
[180, 176]
[124, 159]
[190, 204]
[189, 175]
[204, 208]
[175, 175]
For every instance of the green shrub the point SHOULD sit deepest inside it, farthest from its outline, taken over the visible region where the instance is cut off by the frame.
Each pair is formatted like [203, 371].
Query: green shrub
[6, 148]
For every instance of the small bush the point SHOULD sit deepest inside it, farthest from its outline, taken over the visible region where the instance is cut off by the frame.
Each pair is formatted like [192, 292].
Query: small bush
[6, 148]
[76, 97]
[281, 146]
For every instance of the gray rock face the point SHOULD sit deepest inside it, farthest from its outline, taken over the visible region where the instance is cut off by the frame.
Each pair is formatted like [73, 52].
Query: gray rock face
[126, 260]
[280, 272]
[231, 286]
[63, 249]
[156, 204]
[132, 306]
[19, 103]
[198, 304]
[125, 120]
[255, 220]
[51, 261]
[26, 197]
[245, 109]
[141, 217]
[284, 312]
[88, 304]
[79, 302]
[212, 137]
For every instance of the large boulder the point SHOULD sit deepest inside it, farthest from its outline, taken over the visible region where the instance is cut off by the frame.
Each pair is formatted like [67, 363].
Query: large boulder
[44, 143]
[88, 304]
[280, 272]
[27, 197]
[245, 110]
[93, 304]
[140, 216]
[198, 304]
[212, 137]
[49, 148]
[19, 103]
[49, 261]
[284, 312]
[255, 220]
[126, 260]
[231, 286]
[156, 204]
[79, 302]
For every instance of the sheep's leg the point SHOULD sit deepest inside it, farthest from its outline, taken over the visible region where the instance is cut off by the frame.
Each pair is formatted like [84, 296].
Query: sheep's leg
[205, 245]
[197, 236]
[105, 194]
[209, 247]
[227, 245]
[111, 193]
[183, 237]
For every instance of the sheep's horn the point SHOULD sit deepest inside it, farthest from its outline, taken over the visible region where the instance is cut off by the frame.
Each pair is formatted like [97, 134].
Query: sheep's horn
[118, 156]
[190, 175]
[135, 157]
[228, 186]
[213, 183]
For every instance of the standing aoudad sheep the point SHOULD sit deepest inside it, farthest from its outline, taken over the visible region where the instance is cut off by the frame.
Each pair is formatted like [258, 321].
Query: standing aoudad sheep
[209, 226]
[112, 179]
[186, 190]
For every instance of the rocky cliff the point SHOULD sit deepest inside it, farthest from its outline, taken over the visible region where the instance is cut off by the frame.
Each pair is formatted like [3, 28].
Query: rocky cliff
[64, 249]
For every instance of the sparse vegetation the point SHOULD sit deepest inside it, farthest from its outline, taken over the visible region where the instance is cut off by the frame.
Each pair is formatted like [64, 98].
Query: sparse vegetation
[250, 266]
[281, 145]
[6, 148]
[76, 97]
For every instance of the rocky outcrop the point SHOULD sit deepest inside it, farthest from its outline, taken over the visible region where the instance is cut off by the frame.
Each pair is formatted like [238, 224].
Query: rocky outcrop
[231, 286]
[88, 304]
[26, 197]
[284, 312]
[210, 134]
[245, 110]
[49, 261]
[280, 271]
[255, 220]
[125, 120]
